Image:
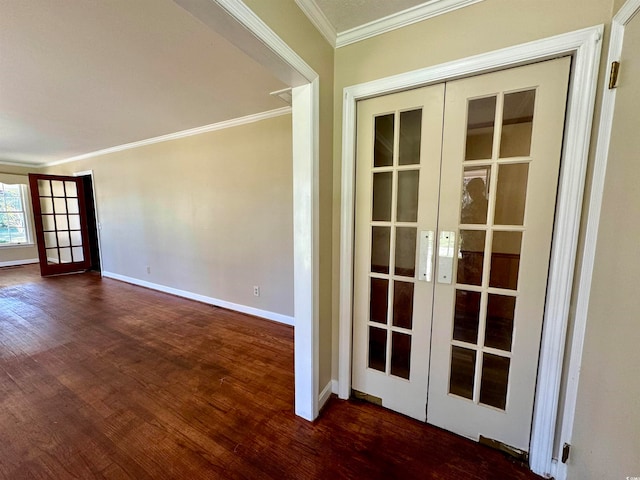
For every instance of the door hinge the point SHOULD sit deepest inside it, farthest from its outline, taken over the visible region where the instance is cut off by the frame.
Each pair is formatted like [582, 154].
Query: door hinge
[565, 452]
[613, 75]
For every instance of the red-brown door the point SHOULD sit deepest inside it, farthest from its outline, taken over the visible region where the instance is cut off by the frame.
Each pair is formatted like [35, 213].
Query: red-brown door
[60, 218]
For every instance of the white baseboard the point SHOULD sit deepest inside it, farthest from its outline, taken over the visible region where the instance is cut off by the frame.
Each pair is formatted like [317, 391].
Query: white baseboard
[334, 386]
[331, 387]
[276, 317]
[13, 263]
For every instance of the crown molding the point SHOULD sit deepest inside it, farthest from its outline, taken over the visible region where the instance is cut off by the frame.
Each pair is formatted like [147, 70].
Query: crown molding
[174, 136]
[302, 73]
[401, 19]
[21, 164]
[318, 18]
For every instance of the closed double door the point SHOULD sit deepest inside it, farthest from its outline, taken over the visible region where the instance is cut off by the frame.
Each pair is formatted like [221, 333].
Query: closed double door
[455, 199]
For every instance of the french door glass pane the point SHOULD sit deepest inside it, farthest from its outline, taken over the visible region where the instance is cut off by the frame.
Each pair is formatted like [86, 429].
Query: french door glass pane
[410, 136]
[62, 222]
[467, 316]
[400, 354]
[379, 300]
[405, 257]
[505, 260]
[402, 304]
[517, 124]
[76, 238]
[511, 194]
[380, 238]
[383, 143]
[480, 127]
[499, 329]
[65, 255]
[63, 239]
[495, 379]
[60, 205]
[377, 348]
[382, 187]
[71, 189]
[46, 205]
[463, 367]
[72, 205]
[50, 240]
[471, 256]
[44, 188]
[74, 222]
[48, 223]
[57, 188]
[52, 256]
[475, 195]
[78, 254]
[408, 195]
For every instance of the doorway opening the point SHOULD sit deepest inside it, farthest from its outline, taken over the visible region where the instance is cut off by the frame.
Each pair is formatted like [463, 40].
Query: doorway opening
[92, 222]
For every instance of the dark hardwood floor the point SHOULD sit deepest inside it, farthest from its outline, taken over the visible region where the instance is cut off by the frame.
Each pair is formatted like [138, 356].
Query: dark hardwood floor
[101, 379]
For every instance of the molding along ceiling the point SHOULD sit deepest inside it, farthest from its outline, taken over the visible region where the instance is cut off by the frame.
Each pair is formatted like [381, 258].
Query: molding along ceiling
[80, 77]
[343, 22]
[236, 122]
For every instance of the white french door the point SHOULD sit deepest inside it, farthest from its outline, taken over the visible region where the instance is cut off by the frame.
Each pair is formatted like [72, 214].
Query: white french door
[399, 146]
[455, 197]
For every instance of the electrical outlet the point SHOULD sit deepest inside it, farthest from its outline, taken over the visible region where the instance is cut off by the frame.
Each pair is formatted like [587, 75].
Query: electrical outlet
[256, 291]
[148, 269]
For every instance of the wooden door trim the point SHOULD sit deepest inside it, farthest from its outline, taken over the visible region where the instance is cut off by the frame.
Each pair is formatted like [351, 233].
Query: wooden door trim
[585, 46]
[626, 13]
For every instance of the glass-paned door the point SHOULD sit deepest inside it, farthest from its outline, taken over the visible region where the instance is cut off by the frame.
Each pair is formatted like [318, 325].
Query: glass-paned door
[398, 175]
[455, 200]
[61, 224]
[502, 145]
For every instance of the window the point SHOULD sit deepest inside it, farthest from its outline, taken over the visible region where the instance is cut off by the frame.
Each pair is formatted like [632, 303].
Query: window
[14, 228]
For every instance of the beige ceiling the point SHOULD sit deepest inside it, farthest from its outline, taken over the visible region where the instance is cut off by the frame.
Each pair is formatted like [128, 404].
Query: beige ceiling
[78, 76]
[348, 14]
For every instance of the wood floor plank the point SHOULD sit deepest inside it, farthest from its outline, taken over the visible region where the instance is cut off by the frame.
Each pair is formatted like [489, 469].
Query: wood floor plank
[101, 379]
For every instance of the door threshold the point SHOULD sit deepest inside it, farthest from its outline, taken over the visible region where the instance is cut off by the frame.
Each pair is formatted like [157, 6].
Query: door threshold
[366, 397]
[516, 453]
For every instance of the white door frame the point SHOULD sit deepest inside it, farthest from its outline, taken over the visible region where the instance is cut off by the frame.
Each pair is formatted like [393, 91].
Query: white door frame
[626, 13]
[306, 132]
[584, 45]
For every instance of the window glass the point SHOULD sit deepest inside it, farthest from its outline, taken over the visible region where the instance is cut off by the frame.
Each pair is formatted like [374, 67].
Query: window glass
[13, 224]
